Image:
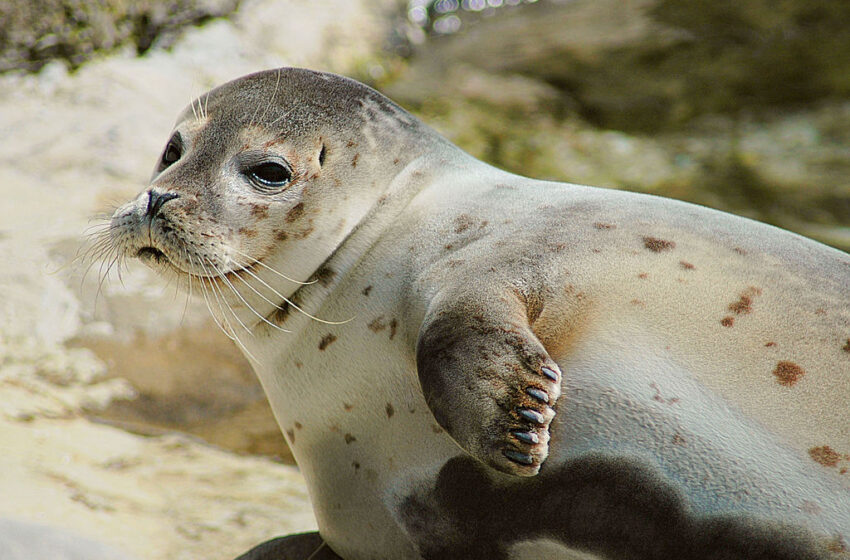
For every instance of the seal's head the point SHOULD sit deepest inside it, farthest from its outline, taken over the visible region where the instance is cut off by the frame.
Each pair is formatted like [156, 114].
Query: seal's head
[276, 166]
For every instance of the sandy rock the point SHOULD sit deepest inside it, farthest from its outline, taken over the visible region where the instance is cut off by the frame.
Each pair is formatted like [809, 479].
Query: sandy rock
[73, 145]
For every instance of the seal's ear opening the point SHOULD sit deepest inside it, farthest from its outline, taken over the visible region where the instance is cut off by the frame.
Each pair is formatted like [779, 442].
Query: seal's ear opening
[322, 155]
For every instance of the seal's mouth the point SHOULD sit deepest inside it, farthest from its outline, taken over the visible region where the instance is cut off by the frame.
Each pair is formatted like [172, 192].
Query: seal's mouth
[152, 253]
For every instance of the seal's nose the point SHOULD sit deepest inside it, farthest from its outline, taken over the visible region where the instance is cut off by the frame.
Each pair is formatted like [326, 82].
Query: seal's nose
[156, 200]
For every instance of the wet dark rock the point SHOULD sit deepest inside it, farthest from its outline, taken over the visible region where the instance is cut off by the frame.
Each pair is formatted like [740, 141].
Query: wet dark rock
[32, 33]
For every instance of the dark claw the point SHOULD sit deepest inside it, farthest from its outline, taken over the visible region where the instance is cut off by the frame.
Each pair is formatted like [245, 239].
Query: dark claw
[538, 394]
[518, 457]
[551, 374]
[527, 437]
[532, 415]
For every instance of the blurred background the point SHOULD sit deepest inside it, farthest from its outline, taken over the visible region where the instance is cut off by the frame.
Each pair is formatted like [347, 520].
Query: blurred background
[127, 417]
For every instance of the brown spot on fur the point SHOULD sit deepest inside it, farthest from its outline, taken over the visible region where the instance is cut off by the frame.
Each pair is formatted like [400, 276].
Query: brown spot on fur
[324, 275]
[347, 407]
[298, 425]
[602, 226]
[395, 161]
[436, 429]
[393, 326]
[788, 373]
[739, 251]
[354, 160]
[837, 545]
[686, 265]
[744, 304]
[291, 434]
[280, 314]
[377, 325]
[727, 321]
[462, 223]
[390, 410]
[643, 275]
[638, 302]
[356, 465]
[658, 245]
[820, 311]
[247, 232]
[366, 290]
[295, 212]
[658, 398]
[281, 235]
[305, 233]
[349, 144]
[349, 438]
[846, 347]
[769, 344]
[260, 211]
[326, 341]
[679, 440]
[825, 455]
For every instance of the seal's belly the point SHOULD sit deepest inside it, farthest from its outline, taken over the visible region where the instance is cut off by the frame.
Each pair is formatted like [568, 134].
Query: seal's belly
[646, 463]
[639, 399]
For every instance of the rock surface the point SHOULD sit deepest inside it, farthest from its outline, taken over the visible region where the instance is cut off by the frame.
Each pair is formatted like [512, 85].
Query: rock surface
[739, 106]
[81, 359]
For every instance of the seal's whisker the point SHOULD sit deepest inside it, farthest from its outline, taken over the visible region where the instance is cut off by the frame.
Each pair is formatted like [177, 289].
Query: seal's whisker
[189, 293]
[122, 262]
[243, 300]
[222, 299]
[270, 269]
[267, 300]
[192, 104]
[283, 116]
[289, 301]
[103, 275]
[207, 295]
[97, 247]
[272, 98]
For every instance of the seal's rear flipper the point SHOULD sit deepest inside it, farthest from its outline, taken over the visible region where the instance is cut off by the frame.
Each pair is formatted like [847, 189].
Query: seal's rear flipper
[487, 379]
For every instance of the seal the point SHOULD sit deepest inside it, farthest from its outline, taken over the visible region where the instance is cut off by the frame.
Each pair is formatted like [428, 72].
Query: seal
[468, 363]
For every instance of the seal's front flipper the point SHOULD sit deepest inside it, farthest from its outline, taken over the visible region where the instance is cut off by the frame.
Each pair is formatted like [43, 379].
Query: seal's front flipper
[488, 380]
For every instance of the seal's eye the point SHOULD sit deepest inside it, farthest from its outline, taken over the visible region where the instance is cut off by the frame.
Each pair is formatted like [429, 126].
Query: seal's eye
[269, 174]
[172, 152]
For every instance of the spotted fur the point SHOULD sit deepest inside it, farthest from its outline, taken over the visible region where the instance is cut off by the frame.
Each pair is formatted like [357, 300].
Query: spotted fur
[481, 365]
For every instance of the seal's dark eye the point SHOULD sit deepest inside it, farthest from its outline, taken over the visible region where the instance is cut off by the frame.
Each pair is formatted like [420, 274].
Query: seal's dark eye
[270, 174]
[171, 154]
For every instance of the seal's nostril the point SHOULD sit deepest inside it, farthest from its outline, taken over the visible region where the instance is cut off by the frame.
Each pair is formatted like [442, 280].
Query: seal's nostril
[156, 200]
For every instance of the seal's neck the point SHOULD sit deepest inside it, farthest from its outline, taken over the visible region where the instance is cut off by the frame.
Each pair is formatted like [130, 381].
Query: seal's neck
[366, 219]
